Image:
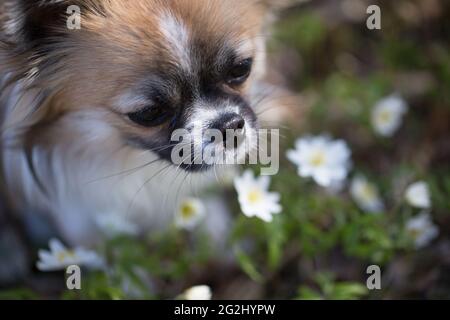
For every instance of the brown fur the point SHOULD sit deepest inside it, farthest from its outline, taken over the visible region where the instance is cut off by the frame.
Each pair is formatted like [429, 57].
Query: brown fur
[118, 42]
[67, 78]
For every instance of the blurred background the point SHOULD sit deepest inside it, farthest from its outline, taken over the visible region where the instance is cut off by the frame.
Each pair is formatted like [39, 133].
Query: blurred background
[335, 71]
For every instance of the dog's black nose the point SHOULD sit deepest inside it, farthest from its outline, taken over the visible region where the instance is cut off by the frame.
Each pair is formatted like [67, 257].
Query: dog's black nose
[235, 122]
[231, 122]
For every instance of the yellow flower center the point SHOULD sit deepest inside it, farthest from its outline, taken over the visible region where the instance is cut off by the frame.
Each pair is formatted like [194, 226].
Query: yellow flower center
[318, 159]
[368, 192]
[63, 255]
[385, 116]
[187, 211]
[415, 233]
[254, 196]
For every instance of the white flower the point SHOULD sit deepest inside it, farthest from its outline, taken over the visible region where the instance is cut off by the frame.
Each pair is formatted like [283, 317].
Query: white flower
[59, 257]
[115, 224]
[190, 212]
[366, 194]
[197, 293]
[422, 229]
[321, 158]
[387, 115]
[254, 197]
[418, 195]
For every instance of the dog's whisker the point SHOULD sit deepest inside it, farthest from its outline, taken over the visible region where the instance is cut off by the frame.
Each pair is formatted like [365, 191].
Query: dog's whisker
[143, 185]
[135, 169]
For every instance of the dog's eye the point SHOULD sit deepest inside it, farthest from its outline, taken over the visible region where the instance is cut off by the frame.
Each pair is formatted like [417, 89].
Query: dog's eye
[151, 116]
[240, 72]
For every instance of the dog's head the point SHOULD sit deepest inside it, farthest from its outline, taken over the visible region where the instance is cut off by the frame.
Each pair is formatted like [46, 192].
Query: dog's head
[144, 67]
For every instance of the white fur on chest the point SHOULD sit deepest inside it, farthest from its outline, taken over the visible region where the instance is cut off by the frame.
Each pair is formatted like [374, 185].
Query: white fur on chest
[92, 172]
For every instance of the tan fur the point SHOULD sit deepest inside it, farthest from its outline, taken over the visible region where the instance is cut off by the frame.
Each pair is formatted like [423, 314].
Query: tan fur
[83, 73]
[114, 48]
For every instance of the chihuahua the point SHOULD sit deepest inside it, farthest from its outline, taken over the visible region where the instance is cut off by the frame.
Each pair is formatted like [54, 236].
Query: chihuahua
[88, 113]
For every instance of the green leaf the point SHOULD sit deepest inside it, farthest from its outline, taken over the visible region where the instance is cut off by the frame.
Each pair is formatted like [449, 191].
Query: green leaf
[247, 266]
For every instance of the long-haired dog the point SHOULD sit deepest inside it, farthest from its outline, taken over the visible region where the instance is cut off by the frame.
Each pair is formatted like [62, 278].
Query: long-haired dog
[87, 114]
